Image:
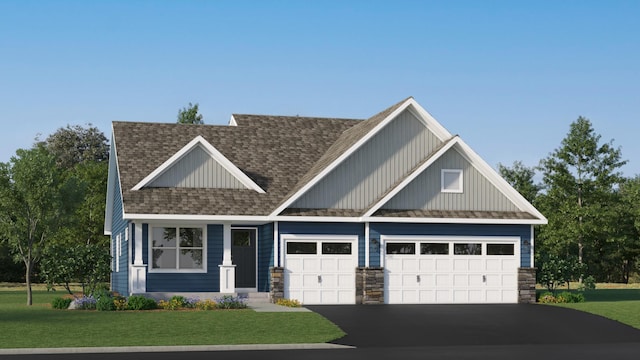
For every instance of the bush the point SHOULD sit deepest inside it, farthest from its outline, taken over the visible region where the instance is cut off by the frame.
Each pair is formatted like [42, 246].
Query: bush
[138, 302]
[206, 305]
[120, 303]
[105, 303]
[61, 303]
[563, 297]
[230, 302]
[86, 303]
[547, 298]
[289, 302]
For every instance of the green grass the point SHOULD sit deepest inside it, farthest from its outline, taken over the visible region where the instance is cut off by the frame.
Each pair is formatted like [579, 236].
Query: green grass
[620, 304]
[40, 326]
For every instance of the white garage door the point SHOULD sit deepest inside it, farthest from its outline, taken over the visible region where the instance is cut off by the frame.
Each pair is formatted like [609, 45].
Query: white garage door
[320, 270]
[465, 270]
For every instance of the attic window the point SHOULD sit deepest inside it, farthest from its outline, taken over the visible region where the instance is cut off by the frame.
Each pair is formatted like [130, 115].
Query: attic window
[452, 180]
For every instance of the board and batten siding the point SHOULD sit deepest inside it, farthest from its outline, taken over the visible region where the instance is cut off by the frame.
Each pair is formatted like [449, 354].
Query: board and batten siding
[197, 169]
[190, 282]
[425, 191]
[373, 168]
[454, 230]
[120, 279]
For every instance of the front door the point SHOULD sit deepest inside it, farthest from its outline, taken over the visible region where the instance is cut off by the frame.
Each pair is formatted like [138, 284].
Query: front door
[243, 254]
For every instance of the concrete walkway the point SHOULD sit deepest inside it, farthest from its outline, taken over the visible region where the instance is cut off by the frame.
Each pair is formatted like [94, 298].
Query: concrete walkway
[263, 306]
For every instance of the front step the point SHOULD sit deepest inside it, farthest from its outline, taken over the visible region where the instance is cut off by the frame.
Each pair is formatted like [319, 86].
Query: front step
[254, 296]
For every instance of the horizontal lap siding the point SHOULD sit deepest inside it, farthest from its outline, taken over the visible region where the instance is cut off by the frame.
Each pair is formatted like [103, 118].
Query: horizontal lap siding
[522, 231]
[326, 229]
[192, 282]
[119, 280]
[265, 256]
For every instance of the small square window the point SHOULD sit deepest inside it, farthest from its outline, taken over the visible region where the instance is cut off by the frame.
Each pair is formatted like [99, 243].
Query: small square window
[451, 181]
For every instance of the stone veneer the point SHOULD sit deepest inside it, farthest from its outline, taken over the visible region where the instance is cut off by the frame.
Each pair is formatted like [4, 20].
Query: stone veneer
[526, 285]
[369, 285]
[277, 284]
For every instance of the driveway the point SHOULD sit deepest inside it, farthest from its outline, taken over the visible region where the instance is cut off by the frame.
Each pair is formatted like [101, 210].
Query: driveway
[370, 326]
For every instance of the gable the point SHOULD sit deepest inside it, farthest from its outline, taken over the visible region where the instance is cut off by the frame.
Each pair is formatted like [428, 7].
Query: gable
[425, 191]
[374, 167]
[197, 169]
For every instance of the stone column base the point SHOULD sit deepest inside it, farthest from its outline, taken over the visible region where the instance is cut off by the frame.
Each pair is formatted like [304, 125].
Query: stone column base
[276, 288]
[370, 285]
[526, 285]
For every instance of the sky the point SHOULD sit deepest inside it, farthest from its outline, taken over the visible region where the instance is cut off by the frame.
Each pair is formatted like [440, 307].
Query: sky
[508, 76]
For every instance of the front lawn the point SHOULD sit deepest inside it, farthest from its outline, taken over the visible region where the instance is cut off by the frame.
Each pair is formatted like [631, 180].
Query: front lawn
[40, 326]
[621, 304]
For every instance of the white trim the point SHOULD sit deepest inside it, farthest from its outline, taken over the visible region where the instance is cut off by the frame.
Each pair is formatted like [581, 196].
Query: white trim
[366, 244]
[213, 152]
[151, 269]
[129, 254]
[232, 121]
[113, 175]
[436, 128]
[275, 244]
[139, 243]
[531, 247]
[460, 174]
[168, 217]
[455, 221]
[411, 177]
[118, 251]
[321, 238]
[255, 230]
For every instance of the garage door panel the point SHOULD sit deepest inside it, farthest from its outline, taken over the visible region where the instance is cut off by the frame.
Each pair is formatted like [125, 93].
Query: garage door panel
[410, 265]
[310, 264]
[444, 265]
[427, 265]
[444, 280]
[476, 296]
[476, 265]
[494, 264]
[460, 265]
[461, 280]
[346, 265]
[460, 296]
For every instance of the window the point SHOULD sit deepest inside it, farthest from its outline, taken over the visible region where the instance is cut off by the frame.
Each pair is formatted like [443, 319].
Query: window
[177, 248]
[336, 248]
[401, 248]
[467, 249]
[451, 181]
[500, 249]
[434, 249]
[301, 248]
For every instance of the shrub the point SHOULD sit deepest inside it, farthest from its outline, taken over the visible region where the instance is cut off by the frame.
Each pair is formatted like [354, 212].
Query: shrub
[206, 305]
[588, 283]
[120, 303]
[289, 302]
[61, 303]
[138, 302]
[105, 303]
[86, 303]
[230, 302]
[570, 297]
[547, 298]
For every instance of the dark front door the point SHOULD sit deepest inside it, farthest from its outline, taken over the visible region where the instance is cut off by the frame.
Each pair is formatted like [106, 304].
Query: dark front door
[243, 254]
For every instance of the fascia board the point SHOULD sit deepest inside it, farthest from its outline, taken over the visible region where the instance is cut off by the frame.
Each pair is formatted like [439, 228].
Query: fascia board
[432, 124]
[232, 121]
[342, 157]
[411, 177]
[113, 175]
[213, 152]
[500, 183]
[378, 219]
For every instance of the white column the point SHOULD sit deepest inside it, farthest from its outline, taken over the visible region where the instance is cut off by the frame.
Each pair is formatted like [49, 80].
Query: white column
[138, 275]
[366, 244]
[275, 244]
[227, 269]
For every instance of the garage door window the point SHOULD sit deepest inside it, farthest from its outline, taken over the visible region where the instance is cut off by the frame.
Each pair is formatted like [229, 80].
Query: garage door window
[401, 248]
[301, 248]
[434, 249]
[336, 248]
[467, 249]
[500, 249]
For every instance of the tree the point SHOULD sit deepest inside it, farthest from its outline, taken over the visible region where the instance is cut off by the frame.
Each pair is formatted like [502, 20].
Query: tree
[189, 115]
[33, 202]
[88, 264]
[579, 182]
[74, 145]
[521, 178]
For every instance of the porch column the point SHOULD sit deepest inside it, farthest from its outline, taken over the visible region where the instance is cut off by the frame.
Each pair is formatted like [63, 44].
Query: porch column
[227, 269]
[138, 276]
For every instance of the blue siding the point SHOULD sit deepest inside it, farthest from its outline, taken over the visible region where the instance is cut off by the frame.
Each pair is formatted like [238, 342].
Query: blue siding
[326, 229]
[190, 282]
[522, 231]
[119, 280]
[265, 256]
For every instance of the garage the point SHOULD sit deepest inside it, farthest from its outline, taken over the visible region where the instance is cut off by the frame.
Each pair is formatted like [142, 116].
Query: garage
[320, 270]
[434, 270]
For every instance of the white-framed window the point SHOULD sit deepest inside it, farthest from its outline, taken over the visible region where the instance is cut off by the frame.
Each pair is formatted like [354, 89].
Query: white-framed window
[451, 180]
[118, 251]
[177, 249]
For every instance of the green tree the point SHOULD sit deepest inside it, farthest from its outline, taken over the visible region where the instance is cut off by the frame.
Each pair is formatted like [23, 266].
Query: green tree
[521, 178]
[579, 182]
[88, 264]
[74, 145]
[189, 115]
[33, 201]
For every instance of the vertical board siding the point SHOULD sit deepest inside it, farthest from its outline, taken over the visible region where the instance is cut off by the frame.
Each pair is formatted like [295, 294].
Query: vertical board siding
[120, 279]
[522, 231]
[373, 168]
[192, 282]
[265, 256]
[424, 192]
[325, 229]
[197, 169]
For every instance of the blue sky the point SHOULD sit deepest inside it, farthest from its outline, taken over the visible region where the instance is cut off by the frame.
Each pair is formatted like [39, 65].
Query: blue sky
[508, 76]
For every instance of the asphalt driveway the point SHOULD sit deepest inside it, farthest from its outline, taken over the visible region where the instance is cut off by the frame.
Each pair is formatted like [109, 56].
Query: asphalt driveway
[467, 325]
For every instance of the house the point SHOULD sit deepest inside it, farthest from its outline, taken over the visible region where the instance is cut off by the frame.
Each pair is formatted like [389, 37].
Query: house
[391, 209]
